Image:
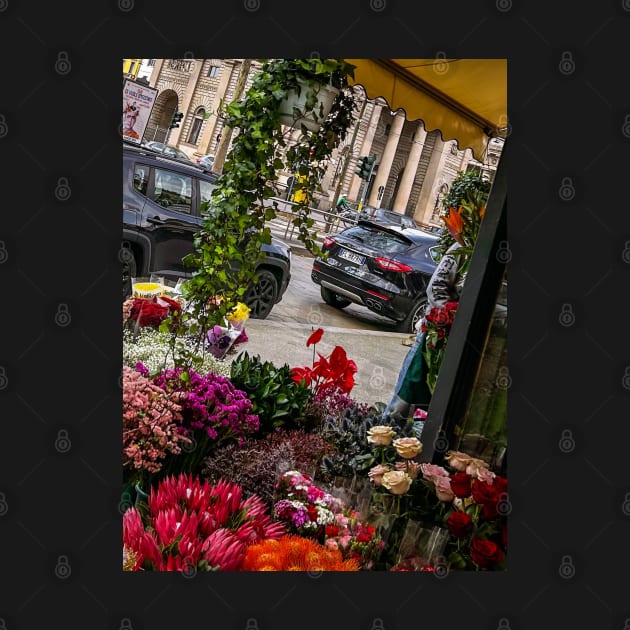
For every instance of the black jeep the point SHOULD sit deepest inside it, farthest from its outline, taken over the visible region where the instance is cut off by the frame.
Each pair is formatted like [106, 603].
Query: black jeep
[161, 202]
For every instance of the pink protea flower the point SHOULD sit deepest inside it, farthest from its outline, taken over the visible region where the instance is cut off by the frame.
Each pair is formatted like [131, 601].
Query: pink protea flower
[223, 550]
[258, 525]
[193, 524]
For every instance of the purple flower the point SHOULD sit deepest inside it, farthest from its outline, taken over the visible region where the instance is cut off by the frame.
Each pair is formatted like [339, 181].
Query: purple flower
[142, 369]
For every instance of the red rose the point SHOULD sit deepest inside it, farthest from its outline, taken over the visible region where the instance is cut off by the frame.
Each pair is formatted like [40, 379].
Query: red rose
[483, 492]
[459, 524]
[461, 484]
[485, 553]
[312, 513]
[332, 530]
[363, 537]
[489, 511]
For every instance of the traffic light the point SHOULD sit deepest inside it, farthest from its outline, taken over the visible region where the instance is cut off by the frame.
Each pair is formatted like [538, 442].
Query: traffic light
[365, 166]
[177, 116]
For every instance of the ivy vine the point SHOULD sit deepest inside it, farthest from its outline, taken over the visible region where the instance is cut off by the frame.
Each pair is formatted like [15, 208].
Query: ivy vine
[227, 248]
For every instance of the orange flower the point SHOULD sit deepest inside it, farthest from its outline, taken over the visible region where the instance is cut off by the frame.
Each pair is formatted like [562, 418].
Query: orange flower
[294, 553]
[482, 211]
[454, 221]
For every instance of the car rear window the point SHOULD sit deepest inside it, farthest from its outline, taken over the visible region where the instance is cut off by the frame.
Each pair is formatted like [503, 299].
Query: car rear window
[386, 242]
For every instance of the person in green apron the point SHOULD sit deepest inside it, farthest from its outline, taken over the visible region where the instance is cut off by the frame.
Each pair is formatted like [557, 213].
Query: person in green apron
[411, 389]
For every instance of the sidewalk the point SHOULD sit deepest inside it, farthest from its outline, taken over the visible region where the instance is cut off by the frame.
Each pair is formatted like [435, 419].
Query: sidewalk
[378, 355]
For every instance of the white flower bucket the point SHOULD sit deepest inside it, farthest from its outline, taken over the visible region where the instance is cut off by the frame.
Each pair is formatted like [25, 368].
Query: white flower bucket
[312, 120]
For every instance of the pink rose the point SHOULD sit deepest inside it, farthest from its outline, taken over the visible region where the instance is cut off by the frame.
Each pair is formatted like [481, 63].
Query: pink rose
[443, 489]
[486, 475]
[376, 474]
[475, 466]
[431, 472]
[458, 460]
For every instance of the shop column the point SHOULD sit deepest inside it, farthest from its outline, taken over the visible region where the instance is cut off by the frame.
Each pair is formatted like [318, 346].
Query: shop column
[432, 181]
[387, 160]
[411, 168]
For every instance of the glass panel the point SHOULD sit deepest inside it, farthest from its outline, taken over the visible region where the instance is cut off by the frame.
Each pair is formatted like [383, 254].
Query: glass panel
[140, 178]
[173, 191]
[483, 432]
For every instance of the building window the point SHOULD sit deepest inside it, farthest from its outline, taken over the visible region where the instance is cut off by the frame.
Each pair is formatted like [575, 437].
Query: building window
[197, 123]
[213, 72]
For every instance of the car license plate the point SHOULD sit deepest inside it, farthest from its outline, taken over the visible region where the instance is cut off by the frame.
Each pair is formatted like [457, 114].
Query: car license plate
[351, 256]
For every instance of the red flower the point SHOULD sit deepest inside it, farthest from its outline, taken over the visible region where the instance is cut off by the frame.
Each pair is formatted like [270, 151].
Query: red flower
[483, 492]
[332, 530]
[315, 337]
[298, 374]
[459, 524]
[485, 553]
[461, 484]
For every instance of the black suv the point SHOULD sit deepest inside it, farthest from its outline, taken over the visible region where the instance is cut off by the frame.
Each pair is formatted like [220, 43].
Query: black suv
[387, 216]
[161, 201]
[384, 267]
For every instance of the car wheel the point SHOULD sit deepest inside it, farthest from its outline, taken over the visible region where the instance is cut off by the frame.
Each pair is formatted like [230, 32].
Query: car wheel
[330, 297]
[262, 296]
[408, 325]
[129, 268]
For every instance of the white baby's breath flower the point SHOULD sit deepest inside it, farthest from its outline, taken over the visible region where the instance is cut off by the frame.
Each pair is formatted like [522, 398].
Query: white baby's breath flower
[153, 349]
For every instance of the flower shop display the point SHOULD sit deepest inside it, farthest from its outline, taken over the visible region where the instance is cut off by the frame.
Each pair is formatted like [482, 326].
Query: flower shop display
[276, 398]
[310, 511]
[354, 538]
[223, 462]
[304, 507]
[212, 411]
[141, 311]
[329, 373]
[294, 553]
[191, 525]
[158, 351]
[255, 463]
[437, 327]
[472, 502]
[151, 423]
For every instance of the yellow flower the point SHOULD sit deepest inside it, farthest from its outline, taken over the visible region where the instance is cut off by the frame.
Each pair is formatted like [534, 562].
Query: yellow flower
[380, 435]
[239, 313]
[408, 447]
[396, 481]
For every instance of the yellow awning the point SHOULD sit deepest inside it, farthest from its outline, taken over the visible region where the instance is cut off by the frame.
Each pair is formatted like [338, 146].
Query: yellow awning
[466, 99]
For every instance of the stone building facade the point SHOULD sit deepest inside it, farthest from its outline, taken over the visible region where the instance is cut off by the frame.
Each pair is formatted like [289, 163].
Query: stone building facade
[413, 170]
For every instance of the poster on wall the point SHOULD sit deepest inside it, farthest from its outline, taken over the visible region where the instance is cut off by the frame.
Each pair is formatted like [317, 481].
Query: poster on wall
[137, 106]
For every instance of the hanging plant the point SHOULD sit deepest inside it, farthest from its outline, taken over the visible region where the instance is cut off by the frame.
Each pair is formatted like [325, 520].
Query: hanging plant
[234, 220]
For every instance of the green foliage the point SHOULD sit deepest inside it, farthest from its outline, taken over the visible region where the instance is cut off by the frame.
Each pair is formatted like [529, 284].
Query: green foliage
[278, 400]
[470, 191]
[348, 433]
[234, 220]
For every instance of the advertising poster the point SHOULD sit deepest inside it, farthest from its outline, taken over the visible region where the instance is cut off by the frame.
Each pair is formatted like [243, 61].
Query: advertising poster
[137, 105]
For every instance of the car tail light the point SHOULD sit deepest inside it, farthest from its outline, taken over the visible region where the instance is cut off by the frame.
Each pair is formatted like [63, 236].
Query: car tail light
[378, 295]
[391, 265]
[328, 242]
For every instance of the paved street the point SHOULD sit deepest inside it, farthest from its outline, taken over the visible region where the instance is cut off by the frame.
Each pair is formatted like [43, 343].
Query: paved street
[368, 339]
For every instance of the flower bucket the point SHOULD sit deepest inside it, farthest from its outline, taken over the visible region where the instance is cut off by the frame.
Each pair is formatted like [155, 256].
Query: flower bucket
[312, 120]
